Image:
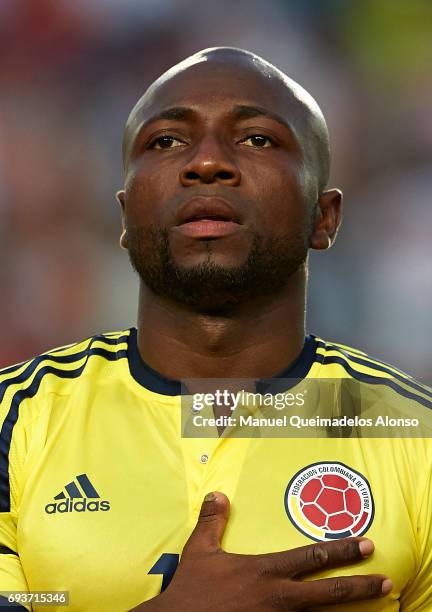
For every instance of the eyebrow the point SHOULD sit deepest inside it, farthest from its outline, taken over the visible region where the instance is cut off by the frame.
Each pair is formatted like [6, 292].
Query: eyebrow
[247, 112]
[176, 113]
[241, 111]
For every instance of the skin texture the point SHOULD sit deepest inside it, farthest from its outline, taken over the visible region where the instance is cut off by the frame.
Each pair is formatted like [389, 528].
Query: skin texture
[227, 129]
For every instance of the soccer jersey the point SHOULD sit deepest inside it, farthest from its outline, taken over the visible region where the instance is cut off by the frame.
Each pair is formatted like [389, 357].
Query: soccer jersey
[99, 490]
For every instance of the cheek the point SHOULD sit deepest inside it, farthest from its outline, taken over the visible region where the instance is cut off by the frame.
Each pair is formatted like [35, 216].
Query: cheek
[282, 206]
[143, 197]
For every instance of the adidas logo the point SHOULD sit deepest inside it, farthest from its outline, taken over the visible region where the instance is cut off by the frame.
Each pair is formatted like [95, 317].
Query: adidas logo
[76, 499]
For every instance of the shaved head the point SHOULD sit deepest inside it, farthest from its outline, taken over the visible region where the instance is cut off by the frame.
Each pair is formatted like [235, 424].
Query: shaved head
[226, 164]
[297, 106]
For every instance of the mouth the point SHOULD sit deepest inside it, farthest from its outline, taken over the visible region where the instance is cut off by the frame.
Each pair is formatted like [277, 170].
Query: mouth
[207, 218]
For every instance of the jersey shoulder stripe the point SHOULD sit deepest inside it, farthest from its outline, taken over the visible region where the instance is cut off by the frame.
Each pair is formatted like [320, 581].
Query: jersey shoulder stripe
[346, 348]
[375, 366]
[368, 360]
[371, 371]
[113, 339]
[110, 348]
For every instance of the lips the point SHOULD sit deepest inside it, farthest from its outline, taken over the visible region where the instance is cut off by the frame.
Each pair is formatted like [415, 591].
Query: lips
[200, 208]
[207, 218]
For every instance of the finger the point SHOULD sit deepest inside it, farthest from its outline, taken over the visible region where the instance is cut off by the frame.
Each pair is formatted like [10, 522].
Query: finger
[207, 535]
[331, 591]
[322, 555]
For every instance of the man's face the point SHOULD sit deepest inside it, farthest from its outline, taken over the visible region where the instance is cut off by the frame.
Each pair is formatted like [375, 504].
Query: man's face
[214, 203]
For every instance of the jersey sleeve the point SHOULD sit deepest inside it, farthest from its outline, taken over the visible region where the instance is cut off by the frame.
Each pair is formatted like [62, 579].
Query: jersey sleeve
[417, 596]
[12, 455]
[11, 573]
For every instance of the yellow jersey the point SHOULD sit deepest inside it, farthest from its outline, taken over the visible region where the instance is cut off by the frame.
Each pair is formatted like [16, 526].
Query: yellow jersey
[99, 490]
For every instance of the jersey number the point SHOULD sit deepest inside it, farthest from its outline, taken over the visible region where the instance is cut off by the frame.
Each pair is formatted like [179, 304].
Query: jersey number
[165, 565]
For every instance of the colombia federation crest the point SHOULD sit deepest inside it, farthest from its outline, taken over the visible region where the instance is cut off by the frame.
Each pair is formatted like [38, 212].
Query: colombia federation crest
[328, 501]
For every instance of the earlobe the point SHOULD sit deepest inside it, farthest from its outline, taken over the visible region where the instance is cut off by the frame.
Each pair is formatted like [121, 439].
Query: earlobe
[124, 240]
[120, 196]
[327, 220]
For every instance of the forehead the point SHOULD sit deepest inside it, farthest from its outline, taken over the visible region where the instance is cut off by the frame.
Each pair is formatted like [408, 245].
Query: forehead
[203, 83]
[213, 87]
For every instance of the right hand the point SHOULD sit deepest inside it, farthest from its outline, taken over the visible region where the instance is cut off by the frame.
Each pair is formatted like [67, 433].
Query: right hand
[209, 579]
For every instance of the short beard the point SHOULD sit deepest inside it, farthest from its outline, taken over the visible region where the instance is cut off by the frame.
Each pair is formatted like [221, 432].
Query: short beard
[210, 288]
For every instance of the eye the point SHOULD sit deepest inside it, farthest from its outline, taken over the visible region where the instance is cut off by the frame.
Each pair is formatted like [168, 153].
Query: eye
[166, 142]
[258, 141]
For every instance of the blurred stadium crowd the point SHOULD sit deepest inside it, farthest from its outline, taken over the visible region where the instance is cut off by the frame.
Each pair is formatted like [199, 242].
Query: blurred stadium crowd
[70, 71]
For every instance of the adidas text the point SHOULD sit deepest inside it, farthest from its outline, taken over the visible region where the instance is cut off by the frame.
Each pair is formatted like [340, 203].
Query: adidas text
[82, 505]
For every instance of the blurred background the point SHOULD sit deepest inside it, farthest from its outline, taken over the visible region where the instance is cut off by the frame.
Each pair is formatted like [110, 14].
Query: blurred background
[70, 71]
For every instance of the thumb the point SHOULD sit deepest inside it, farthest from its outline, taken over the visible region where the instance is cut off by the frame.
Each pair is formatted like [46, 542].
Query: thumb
[207, 535]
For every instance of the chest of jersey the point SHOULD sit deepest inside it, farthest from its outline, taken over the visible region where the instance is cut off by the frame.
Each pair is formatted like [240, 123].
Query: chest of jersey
[113, 491]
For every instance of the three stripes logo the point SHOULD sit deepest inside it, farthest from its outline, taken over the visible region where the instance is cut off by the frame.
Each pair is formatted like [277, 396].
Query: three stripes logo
[76, 498]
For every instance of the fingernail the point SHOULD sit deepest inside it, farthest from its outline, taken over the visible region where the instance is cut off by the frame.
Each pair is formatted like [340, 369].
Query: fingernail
[386, 586]
[366, 547]
[210, 497]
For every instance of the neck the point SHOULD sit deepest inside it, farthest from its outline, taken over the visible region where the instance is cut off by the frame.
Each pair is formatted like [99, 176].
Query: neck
[258, 340]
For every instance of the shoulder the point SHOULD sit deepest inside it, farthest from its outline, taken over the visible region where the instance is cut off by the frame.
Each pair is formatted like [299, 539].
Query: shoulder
[53, 369]
[342, 361]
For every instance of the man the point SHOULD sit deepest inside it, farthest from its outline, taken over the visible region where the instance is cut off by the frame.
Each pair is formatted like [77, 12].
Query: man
[226, 164]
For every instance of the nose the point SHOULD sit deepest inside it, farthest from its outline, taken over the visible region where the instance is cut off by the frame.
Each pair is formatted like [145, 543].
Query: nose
[210, 164]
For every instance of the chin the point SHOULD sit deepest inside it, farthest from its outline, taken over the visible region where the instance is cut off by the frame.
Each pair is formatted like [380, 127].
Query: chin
[224, 253]
[221, 261]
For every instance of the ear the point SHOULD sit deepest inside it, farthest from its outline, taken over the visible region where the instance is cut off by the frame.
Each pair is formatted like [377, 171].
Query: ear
[328, 217]
[120, 195]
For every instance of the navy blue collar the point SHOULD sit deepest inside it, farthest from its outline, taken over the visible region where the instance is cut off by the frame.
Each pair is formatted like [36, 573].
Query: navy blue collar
[153, 381]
